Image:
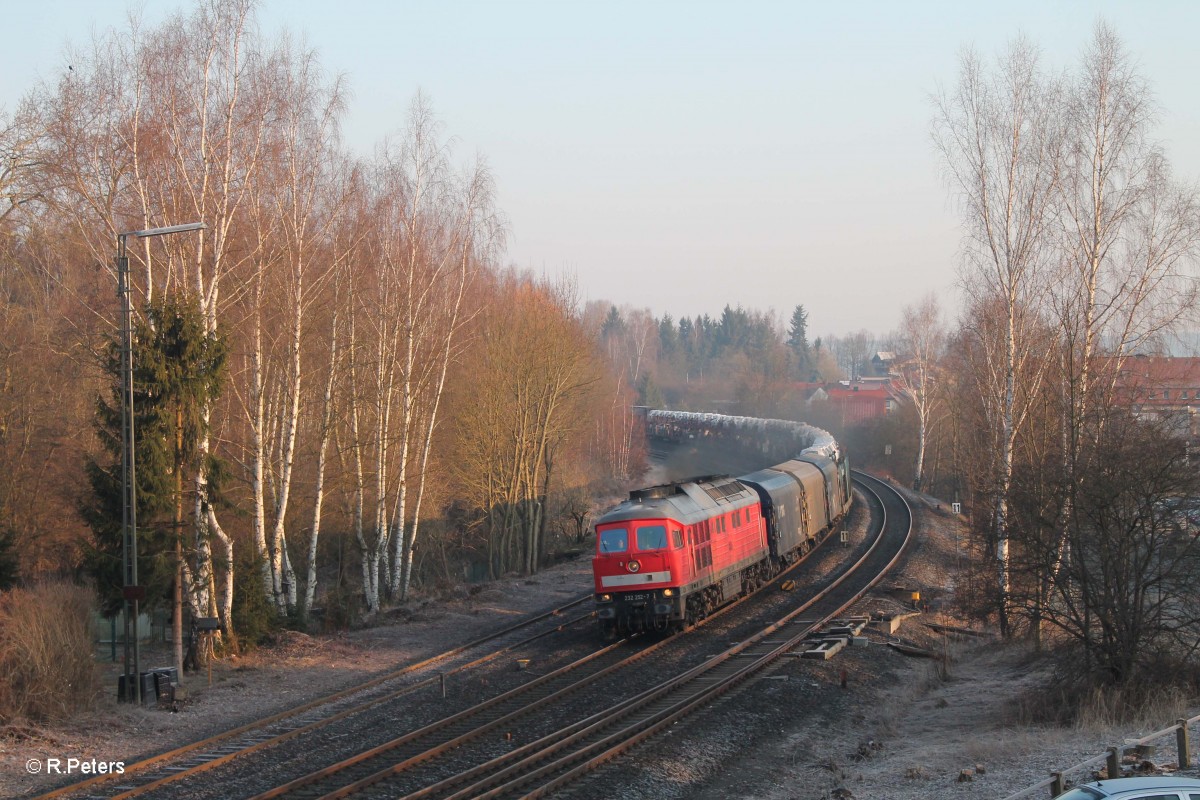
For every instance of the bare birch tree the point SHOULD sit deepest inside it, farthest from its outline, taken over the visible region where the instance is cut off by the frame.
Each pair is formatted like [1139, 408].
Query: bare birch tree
[1129, 237]
[641, 335]
[154, 130]
[299, 203]
[1000, 142]
[478, 234]
[21, 137]
[924, 337]
[434, 228]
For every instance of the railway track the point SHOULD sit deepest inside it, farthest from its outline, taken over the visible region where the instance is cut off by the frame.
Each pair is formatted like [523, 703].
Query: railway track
[142, 777]
[464, 755]
[151, 776]
[589, 780]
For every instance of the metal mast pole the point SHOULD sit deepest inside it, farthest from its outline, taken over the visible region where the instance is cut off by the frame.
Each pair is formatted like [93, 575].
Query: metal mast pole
[133, 684]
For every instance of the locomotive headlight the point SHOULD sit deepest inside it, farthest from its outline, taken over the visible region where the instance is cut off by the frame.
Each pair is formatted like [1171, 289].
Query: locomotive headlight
[668, 592]
[604, 598]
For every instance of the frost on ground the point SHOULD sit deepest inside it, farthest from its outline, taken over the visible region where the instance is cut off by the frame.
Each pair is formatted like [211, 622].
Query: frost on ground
[296, 669]
[902, 729]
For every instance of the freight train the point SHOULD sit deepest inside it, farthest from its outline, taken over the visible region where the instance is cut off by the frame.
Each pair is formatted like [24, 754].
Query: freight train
[671, 554]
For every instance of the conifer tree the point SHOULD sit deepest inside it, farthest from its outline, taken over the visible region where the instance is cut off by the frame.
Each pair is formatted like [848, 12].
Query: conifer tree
[798, 341]
[177, 369]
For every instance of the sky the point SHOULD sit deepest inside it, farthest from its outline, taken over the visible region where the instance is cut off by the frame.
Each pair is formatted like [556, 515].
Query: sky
[681, 156]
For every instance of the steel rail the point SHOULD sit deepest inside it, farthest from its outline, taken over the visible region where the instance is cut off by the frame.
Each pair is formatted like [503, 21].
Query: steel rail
[645, 726]
[355, 763]
[448, 722]
[211, 763]
[296, 711]
[550, 743]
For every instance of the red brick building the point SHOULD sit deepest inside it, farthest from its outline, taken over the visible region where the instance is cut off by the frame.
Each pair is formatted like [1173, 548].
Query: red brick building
[1162, 387]
[859, 402]
[855, 401]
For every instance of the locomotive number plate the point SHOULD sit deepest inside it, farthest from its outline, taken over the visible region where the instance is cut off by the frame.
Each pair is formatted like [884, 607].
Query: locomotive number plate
[637, 598]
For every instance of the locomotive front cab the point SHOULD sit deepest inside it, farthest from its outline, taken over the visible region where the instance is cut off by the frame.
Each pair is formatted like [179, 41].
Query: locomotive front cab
[638, 570]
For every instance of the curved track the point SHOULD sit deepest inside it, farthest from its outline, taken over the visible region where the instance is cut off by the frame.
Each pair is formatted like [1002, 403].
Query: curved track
[621, 729]
[456, 758]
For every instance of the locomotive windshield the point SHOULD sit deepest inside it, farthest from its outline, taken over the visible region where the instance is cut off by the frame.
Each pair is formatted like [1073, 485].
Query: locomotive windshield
[652, 537]
[614, 540]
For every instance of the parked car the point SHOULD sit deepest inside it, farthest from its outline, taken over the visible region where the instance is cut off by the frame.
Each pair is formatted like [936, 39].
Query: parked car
[1157, 787]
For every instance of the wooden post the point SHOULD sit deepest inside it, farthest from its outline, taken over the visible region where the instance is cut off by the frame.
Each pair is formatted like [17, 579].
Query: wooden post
[1058, 786]
[443, 677]
[1181, 743]
[1114, 762]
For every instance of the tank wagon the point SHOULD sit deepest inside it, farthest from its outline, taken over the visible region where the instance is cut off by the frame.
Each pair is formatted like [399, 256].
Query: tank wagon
[671, 554]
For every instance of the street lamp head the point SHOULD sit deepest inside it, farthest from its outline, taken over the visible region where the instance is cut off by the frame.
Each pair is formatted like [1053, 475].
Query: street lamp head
[190, 226]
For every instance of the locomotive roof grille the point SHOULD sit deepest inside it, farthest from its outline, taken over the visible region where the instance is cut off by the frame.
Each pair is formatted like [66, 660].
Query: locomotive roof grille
[724, 491]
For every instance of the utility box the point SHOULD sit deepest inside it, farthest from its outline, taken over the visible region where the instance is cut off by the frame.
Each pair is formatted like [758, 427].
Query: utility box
[149, 693]
[170, 673]
[165, 681]
[157, 684]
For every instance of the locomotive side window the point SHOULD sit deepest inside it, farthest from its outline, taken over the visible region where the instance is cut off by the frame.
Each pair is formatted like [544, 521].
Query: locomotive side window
[652, 537]
[614, 540]
[676, 538]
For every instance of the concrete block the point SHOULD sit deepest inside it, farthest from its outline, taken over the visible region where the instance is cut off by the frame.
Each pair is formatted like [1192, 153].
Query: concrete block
[892, 622]
[826, 649]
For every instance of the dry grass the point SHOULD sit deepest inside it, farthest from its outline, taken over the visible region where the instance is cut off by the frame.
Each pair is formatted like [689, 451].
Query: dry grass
[1144, 708]
[1099, 710]
[46, 653]
[1013, 745]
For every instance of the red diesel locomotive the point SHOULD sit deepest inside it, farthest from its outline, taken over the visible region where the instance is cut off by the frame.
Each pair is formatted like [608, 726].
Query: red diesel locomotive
[671, 554]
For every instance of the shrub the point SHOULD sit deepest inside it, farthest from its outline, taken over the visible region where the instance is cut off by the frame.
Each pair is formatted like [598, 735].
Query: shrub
[254, 616]
[343, 608]
[46, 652]
[9, 559]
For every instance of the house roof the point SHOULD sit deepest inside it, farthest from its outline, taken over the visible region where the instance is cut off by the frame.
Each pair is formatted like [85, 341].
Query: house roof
[1158, 380]
[860, 390]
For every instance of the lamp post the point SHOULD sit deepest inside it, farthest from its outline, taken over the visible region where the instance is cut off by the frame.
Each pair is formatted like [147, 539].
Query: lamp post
[132, 593]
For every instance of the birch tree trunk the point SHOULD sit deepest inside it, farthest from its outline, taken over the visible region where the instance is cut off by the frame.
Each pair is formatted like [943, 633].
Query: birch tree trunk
[1000, 141]
[325, 431]
[924, 337]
